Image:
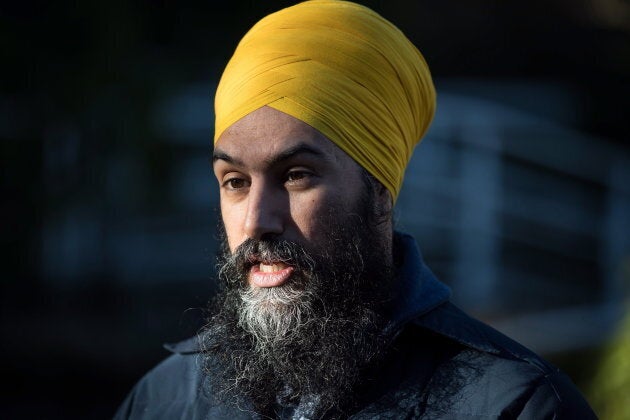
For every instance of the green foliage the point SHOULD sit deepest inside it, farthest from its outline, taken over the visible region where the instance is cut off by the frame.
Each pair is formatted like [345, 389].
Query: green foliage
[610, 389]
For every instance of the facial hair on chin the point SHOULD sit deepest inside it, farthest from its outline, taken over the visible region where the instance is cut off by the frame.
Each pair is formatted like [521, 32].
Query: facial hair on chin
[309, 338]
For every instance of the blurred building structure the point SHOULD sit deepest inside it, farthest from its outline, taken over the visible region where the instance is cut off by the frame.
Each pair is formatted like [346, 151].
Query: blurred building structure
[527, 219]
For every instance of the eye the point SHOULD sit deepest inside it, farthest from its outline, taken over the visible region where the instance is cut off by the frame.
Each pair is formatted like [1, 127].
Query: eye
[235, 183]
[295, 176]
[299, 178]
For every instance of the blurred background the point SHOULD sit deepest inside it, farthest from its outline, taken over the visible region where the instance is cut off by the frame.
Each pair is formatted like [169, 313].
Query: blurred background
[519, 195]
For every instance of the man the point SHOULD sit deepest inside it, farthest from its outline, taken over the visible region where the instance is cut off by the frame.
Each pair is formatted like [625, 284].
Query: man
[325, 311]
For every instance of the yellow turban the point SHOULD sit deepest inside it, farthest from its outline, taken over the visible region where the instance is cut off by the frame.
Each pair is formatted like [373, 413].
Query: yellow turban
[344, 70]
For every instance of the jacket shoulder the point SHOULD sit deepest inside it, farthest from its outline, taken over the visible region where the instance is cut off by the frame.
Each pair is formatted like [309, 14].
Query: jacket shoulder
[178, 388]
[173, 386]
[492, 375]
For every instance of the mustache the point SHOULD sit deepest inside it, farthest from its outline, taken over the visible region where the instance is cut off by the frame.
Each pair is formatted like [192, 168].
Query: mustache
[255, 251]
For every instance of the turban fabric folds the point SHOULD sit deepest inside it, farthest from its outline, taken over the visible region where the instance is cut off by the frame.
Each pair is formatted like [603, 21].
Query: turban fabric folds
[342, 69]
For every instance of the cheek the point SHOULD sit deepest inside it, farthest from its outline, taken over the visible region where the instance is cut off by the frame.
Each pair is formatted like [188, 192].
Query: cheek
[232, 223]
[311, 214]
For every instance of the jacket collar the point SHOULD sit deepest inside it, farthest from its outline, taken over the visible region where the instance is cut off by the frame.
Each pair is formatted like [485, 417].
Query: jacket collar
[423, 300]
[417, 290]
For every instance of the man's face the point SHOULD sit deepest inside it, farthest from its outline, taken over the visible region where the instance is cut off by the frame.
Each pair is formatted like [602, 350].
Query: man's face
[279, 178]
[306, 269]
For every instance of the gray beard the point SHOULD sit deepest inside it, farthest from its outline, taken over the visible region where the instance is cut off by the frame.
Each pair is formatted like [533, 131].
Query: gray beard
[305, 342]
[274, 315]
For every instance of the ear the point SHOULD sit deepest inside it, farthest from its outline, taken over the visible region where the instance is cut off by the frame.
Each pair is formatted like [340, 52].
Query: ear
[384, 204]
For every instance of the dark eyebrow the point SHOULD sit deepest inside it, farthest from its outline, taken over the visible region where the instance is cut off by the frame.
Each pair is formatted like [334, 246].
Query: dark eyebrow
[219, 155]
[294, 151]
[281, 157]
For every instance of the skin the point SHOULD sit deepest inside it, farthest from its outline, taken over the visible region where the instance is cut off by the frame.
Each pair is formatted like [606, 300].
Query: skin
[279, 178]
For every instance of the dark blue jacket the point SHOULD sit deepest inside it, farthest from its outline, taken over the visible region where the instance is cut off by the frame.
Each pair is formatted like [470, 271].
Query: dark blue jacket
[441, 364]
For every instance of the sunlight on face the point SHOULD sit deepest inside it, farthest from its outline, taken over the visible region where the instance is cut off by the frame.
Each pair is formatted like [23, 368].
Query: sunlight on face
[279, 178]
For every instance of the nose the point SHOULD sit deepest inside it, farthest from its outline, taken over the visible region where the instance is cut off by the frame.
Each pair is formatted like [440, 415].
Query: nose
[265, 212]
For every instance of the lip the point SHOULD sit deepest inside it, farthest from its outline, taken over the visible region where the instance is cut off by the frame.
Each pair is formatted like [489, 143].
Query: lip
[263, 279]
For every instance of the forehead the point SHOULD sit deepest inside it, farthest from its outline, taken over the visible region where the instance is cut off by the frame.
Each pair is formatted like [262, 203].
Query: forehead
[267, 132]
